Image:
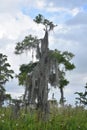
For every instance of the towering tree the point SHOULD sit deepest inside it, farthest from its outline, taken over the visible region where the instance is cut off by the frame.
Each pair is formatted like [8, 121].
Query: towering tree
[45, 70]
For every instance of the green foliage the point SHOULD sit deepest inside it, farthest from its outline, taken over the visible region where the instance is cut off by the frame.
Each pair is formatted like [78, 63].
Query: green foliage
[63, 58]
[41, 20]
[28, 68]
[28, 43]
[64, 61]
[7, 97]
[82, 97]
[63, 82]
[5, 74]
[25, 69]
[60, 119]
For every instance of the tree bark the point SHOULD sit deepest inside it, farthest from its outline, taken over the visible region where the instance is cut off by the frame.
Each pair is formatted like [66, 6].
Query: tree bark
[62, 97]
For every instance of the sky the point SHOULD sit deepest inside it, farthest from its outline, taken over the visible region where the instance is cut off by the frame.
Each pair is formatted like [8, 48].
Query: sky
[16, 22]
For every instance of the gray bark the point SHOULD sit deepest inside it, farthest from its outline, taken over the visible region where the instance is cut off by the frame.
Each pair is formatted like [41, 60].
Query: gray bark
[40, 77]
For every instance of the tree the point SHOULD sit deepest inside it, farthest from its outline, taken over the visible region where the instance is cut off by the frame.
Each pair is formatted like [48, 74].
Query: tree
[45, 70]
[5, 74]
[64, 61]
[63, 83]
[82, 97]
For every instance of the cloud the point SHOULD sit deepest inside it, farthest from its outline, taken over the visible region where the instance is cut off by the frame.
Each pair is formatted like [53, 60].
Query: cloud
[69, 3]
[12, 30]
[62, 10]
[10, 6]
[79, 19]
[72, 39]
[15, 60]
[12, 27]
[14, 89]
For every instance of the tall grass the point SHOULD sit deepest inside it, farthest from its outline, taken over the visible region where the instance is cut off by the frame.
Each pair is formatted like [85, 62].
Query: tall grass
[60, 119]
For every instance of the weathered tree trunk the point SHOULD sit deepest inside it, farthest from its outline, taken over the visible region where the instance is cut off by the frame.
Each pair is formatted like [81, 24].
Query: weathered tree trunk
[62, 97]
[43, 79]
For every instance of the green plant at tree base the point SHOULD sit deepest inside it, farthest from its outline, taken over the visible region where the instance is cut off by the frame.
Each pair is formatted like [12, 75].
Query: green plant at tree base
[66, 119]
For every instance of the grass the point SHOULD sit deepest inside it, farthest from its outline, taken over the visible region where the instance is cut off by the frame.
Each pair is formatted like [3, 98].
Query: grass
[60, 119]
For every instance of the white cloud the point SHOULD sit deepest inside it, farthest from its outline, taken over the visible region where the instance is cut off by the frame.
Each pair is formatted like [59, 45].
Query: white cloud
[80, 18]
[40, 4]
[16, 60]
[75, 11]
[13, 89]
[69, 3]
[13, 27]
[63, 10]
[10, 6]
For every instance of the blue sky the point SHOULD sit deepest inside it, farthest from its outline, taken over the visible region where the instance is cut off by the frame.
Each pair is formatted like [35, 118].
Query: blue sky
[16, 21]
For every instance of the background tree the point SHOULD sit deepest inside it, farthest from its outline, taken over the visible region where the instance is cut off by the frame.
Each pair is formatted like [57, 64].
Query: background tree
[46, 70]
[5, 74]
[82, 97]
[64, 61]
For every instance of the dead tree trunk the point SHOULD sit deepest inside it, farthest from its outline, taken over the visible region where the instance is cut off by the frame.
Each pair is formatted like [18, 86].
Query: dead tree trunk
[62, 97]
[40, 78]
[44, 75]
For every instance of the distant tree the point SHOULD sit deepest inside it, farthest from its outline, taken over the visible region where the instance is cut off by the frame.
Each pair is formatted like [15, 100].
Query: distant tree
[5, 74]
[63, 82]
[82, 99]
[64, 61]
[45, 70]
[16, 106]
